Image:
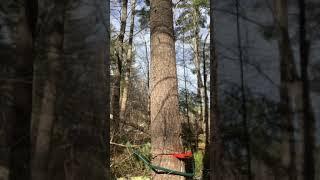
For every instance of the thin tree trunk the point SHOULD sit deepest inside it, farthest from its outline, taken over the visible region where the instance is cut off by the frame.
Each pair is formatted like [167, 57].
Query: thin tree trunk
[165, 117]
[16, 54]
[185, 83]
[197, 62]
[192, 146]
[116, 90]
[200, 124]
[206, 163]
[288, 78]
[148, 76]
[46, 77]
[308, 117]
[216, 156]
[72, 118]
[79, 150]
[20, 147]
[243, 97]
[107, 80]
[205, 102]
[129, 59]
[148, 66]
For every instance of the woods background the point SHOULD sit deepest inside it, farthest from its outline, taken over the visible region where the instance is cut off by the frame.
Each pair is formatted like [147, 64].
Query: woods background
[84, 83]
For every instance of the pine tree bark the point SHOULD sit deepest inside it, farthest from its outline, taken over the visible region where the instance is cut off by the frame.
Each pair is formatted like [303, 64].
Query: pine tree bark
[16, 54]
[165, 116]
[289, 83]
[128, 64]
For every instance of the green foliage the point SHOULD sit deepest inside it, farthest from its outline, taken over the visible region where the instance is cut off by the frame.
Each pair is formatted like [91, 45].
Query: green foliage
[145, 150]
[201, 3]
[190, 20]
[192, 104]
[194, 3]
[125, 164]
[144, 16]
[198, 160]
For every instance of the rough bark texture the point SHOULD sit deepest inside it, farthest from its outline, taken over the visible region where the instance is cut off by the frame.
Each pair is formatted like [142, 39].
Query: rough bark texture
[165, 119]
[129, 59]
[70, 118]
[16, 54]
[289, 80]
[216, 160]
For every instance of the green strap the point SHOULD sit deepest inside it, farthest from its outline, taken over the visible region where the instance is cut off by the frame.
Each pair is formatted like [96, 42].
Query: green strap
[158, 169]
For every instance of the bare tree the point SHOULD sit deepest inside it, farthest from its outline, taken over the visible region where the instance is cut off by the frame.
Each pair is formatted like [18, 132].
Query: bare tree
[119, 65]
[128, 64]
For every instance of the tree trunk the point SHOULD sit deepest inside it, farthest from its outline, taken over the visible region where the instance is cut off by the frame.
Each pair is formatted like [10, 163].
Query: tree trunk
[71, 119]
[16, 54]
[199, 123]
[148, 76]
[216, 160]
[206, 163]
[129, 59]
[205, 102]
[116, 90]
[107, 90]
[78, 132]
[308, 116]
[289, 80]
[186, 97]
[48, 67]
[165, 116]
[197, 63]
[247, 140]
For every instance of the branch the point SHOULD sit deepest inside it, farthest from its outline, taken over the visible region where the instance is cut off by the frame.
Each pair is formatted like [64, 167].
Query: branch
[122, 145]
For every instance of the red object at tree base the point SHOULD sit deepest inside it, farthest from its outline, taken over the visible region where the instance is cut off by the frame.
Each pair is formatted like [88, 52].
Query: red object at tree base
[184, 155]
